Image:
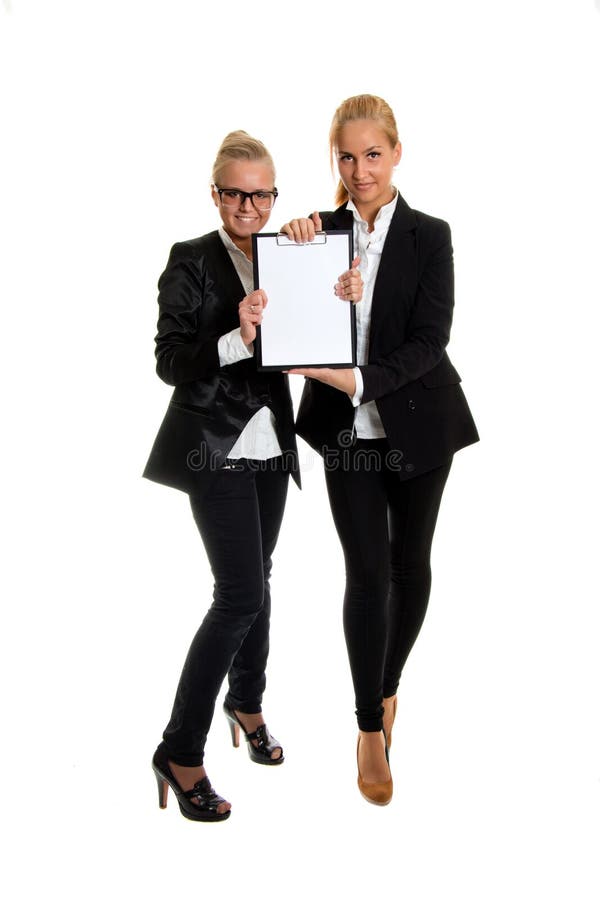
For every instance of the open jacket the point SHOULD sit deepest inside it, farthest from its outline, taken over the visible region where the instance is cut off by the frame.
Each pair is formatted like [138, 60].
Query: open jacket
[408, 374]
[199, 293]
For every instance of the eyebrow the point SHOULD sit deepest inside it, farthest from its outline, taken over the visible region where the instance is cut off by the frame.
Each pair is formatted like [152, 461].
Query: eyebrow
[368, 150]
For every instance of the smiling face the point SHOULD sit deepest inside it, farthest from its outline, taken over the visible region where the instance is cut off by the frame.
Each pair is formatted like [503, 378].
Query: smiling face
[366, 161]
[246, 175]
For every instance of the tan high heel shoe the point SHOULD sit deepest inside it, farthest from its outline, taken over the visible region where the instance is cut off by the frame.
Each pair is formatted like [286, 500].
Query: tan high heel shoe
[377, 792]
[388, 734]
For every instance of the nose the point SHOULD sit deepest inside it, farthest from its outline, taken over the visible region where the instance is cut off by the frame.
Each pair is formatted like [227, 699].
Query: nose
[246, 204]
[360, 169]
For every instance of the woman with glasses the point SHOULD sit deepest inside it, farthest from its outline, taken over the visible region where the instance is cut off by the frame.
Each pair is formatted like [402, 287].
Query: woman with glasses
[228, 441]
[388, 429]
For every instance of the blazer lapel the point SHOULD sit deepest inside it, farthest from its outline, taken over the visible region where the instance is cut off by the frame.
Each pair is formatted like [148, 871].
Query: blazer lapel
[229, 281]
[397, 267]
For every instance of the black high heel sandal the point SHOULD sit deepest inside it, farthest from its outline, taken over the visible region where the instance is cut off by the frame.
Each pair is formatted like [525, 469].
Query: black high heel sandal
[265, 742]
[204, 810]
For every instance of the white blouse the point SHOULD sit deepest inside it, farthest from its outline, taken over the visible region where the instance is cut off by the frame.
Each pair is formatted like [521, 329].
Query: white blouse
[369, 246]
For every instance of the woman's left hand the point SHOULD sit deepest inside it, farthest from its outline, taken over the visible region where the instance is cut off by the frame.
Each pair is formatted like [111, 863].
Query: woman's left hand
[341, 379]
[250, 311]
[350, 285]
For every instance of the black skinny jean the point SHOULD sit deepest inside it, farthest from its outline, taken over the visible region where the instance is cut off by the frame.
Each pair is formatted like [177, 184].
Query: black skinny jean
[239, 518]
[386, 528]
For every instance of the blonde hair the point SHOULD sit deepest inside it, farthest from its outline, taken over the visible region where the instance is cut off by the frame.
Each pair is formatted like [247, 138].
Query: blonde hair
[239, 145]
[363, 106]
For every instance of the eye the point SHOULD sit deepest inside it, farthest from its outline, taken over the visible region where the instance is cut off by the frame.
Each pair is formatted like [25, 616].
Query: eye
[346, 157]
[231, 195]
[374, 154]
[262, 195]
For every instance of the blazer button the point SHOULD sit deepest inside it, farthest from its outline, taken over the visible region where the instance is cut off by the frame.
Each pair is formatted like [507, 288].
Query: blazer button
[411, 405]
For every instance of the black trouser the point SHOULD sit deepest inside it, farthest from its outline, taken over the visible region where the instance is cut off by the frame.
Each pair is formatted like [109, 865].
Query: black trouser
[386, 528]
[239, 519]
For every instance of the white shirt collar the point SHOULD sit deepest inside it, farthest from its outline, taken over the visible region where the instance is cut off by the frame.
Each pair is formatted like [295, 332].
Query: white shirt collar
[383, 217]
[233, 248]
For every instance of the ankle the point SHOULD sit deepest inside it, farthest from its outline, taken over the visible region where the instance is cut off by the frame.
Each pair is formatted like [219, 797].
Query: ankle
[187, 776]
[373, 737]
[254, 719]
[372, 756]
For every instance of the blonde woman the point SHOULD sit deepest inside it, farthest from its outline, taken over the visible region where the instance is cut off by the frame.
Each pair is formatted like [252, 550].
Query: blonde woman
[228, 441]
[388, 428]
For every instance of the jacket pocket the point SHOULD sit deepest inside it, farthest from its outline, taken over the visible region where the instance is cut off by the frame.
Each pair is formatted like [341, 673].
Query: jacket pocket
[189, 407]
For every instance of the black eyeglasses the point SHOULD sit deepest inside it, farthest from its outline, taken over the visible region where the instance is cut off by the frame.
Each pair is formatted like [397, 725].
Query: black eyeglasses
[234, 198]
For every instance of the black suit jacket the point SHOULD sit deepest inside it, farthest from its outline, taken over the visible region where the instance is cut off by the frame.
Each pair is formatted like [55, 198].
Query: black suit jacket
[409, 375]
[199, 293]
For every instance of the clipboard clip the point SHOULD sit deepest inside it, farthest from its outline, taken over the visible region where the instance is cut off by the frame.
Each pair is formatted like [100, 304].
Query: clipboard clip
[284, 241]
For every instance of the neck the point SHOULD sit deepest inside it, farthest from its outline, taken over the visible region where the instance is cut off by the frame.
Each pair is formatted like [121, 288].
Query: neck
[243, 244]
[369, 211]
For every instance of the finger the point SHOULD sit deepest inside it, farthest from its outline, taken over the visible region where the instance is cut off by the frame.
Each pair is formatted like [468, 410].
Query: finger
[306, 372]
[351, 278]
[350, 282]
[256, 300]
[352, 274]
[317, 220]
[293, 230]
[288, 230]
[250, 313]
[317, 374]
[300, 230]
[304, 230]
[348, 294]
[355, 287]
[307, 230]
[355, 262]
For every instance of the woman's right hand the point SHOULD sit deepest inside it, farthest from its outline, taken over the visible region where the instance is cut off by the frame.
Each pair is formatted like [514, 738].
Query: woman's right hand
[250, 311]
[303, 230]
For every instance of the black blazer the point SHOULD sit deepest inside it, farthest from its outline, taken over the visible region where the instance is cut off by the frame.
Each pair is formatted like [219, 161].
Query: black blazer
[409, 375]
[199, 293]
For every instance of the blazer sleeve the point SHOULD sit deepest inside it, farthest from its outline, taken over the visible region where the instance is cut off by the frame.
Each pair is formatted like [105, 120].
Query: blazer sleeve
[428, 328]
[182, 353]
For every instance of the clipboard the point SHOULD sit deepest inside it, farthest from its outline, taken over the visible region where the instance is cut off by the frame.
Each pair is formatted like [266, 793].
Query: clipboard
[304, 323]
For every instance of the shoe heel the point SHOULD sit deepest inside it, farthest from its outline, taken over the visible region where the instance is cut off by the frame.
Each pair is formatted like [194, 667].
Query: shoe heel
[163, 790]
[235, 733]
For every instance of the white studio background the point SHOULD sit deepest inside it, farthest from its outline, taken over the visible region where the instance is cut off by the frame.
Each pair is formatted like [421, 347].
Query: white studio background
[111, 114]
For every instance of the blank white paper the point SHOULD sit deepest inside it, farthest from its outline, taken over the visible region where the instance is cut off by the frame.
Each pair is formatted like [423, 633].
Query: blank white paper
[304, 323]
